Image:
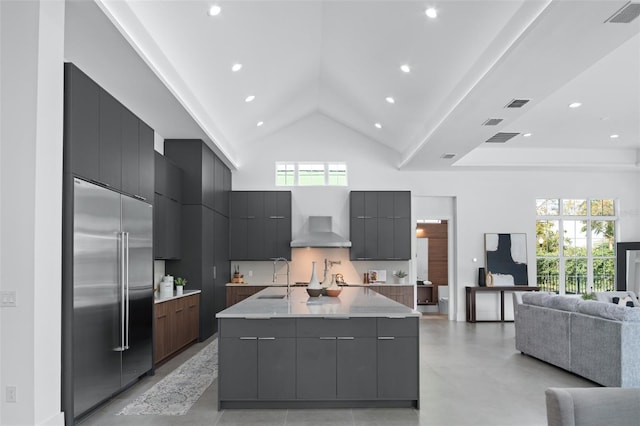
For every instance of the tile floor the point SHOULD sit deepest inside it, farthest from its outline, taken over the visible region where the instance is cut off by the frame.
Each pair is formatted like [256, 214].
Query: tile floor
[470, 375]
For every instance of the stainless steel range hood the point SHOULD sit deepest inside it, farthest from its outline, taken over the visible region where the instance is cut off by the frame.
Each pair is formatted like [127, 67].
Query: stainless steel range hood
[320, 234]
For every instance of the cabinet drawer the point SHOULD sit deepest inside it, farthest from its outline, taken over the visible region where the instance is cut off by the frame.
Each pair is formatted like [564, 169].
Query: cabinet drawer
[324, 327]
[275, 327]
[398, 327]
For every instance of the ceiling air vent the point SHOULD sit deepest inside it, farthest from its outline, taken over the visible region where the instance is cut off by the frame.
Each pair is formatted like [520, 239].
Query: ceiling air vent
[628, 13]
[517, 103]
[447, 156]
[501, 137]
[492, 122]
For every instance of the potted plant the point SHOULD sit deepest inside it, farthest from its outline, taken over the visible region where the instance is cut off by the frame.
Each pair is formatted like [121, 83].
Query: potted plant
[589, 296]
[400, 275]
[180, 283]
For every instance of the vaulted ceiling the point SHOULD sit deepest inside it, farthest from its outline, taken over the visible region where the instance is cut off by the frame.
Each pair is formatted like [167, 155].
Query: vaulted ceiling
[343, 59]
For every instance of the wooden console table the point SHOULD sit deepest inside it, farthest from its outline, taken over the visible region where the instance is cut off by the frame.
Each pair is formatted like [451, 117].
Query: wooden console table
[471, 299]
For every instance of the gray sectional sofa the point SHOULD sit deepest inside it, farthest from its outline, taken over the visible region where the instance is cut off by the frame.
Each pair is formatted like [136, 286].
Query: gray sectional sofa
[595, 339]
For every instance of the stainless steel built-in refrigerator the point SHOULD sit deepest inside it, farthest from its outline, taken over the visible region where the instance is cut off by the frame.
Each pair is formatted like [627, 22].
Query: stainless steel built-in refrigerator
[112, 293]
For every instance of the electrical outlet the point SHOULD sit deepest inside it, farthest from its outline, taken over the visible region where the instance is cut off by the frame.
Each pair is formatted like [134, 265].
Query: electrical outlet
[7, 299]
[250, 273]
[11, 394]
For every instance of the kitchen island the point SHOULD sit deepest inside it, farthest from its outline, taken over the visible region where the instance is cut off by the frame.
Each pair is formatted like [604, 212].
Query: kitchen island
[276, 350]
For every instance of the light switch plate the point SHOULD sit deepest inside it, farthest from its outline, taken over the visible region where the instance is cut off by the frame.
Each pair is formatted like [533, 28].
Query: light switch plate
[7, 299]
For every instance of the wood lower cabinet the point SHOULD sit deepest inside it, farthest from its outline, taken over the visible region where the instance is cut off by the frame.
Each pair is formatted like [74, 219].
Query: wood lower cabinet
[176, 325]
[400, 293]
[238, 293]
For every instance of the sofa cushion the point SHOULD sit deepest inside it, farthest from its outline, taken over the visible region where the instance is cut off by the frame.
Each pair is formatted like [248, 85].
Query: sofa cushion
[536, 298]
[625, 301]
[564, 303]
[609, 311]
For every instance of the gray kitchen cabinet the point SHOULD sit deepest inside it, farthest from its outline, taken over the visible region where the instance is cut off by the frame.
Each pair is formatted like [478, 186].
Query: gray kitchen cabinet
[380, 225]
[257, 359]
[204, 256]
[82, 123]
[197, 162]
[260, 225]
[106, 143]
[145, 162]
[221, 187]
[167, 209]
[356, 368]
[238, 368]
[336, 359]
[110, 147]
[277, 224]
[397, 352]
[316, 367]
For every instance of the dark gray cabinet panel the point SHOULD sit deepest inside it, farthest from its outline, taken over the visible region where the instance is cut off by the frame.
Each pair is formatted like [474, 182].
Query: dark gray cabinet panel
[200, 182]
[260, 225]
[356, 368]
[145, 159]
[167, 209]
[380, 225]
[222, 272]
[130, 152]
[110, 145]
[276, 372]
[398, 368]
[208, 176]
[238, 368]
[104, 141]
[81, 127]
[315, 368]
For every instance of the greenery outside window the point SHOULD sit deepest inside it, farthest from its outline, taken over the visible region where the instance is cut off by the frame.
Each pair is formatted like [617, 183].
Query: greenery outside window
[575, 251]
[311, 174]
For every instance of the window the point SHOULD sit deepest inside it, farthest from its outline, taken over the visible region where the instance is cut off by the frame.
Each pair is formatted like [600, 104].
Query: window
[575, 251]
[311, 174]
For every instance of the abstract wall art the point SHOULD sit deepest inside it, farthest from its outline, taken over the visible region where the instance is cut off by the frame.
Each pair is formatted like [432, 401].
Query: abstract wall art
[506, 258]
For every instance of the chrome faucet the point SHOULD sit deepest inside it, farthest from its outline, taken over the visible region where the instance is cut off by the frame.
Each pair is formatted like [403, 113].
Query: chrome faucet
[328, 264]
[275, 274]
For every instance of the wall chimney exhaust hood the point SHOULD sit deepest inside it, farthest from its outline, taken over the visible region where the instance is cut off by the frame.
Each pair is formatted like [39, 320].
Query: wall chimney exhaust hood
[320, 234]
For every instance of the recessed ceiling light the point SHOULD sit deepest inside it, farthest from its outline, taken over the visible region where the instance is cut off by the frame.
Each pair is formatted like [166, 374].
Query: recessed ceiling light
[249, 98]
[575, 104]
[215, 10]
[614, 136]
[526, 135]
[405, 68]
[260, 123]
[431, 12]
[236, 67]
[378, 126]
[390, 100]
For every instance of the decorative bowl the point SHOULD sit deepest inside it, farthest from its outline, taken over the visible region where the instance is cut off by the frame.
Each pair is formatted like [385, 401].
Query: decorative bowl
[314, 292]
[333, 292]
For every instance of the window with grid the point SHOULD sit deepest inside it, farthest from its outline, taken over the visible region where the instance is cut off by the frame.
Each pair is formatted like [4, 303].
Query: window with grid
[311, 174]
[576, 240]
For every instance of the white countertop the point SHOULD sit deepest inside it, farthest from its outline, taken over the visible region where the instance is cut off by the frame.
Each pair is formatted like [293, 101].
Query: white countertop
[302, 285]
[174, 296]
[352, 302]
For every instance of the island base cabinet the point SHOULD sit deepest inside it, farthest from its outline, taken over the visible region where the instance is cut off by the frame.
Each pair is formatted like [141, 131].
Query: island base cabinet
[316, 366]
[276, 371]
[356, 368]
[238, 368]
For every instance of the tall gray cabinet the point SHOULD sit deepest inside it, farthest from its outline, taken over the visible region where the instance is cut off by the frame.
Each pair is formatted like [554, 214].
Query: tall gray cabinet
[260, 225]
[380, 225]
[204, 257]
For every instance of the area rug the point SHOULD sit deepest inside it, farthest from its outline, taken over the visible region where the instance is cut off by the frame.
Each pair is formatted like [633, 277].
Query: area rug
[175, 394]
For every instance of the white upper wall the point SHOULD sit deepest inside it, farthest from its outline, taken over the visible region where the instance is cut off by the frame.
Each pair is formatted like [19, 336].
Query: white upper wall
[486, 201]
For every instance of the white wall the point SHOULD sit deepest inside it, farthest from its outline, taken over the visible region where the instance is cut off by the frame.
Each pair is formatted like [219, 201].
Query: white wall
[485, 201]
[31, 208]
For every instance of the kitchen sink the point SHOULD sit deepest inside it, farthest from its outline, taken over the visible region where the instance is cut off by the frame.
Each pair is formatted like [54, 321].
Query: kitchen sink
[272, 296]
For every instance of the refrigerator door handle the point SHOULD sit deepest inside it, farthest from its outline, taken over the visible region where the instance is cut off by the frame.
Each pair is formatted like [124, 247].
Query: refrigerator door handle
[126, 292]
[122, 246]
